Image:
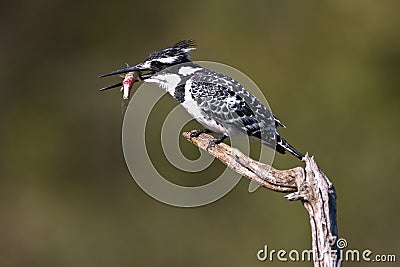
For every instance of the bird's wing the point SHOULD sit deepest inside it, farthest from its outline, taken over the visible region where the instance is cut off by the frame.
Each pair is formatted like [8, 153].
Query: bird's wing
[226, 101]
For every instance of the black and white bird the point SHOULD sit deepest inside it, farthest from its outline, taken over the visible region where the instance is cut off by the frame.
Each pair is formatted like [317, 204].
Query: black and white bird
[215, 100]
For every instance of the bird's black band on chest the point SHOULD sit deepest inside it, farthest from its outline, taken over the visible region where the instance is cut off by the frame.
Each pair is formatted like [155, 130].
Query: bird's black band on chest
[179, 93]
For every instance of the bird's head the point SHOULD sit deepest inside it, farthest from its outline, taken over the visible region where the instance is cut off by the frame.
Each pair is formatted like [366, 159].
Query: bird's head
[159, 60]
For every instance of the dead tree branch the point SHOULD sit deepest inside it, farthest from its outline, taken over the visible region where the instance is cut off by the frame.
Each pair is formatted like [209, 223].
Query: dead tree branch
[309, 185]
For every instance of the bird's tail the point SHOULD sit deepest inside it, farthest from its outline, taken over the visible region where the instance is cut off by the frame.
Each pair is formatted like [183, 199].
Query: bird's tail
[282, 146]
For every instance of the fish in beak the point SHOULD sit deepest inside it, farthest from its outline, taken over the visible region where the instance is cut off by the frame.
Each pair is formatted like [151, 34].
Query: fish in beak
[130, 75]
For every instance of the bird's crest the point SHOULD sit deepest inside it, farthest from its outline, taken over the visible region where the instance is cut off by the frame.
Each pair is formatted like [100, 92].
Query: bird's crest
[180, 50]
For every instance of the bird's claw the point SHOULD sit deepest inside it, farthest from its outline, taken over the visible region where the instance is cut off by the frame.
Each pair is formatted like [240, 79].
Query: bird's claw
[194, 134]
[197, 133]
[211, 145]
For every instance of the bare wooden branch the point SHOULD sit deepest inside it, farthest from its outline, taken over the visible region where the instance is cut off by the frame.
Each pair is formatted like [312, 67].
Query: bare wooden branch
[309, 185]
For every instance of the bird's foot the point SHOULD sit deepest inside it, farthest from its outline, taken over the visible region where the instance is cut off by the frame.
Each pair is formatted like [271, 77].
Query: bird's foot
[212, 144]
[196, 133]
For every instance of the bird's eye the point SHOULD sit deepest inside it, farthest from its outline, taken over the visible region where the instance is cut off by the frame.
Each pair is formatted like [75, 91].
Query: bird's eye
[156, 64]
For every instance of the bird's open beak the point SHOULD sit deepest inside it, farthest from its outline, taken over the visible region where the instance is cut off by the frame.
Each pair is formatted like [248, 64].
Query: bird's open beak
[129, 78]
[138, 69]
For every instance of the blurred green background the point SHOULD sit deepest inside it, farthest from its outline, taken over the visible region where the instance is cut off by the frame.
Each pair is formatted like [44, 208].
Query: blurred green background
[329, 69]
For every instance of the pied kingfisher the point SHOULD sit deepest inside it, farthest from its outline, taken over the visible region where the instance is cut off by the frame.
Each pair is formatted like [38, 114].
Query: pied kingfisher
[215, 100]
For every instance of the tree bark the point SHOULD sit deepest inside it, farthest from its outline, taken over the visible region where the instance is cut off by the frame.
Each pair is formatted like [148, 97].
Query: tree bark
[308, 185]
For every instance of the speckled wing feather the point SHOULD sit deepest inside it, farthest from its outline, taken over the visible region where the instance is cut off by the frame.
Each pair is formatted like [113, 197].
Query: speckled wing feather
[229, 104]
